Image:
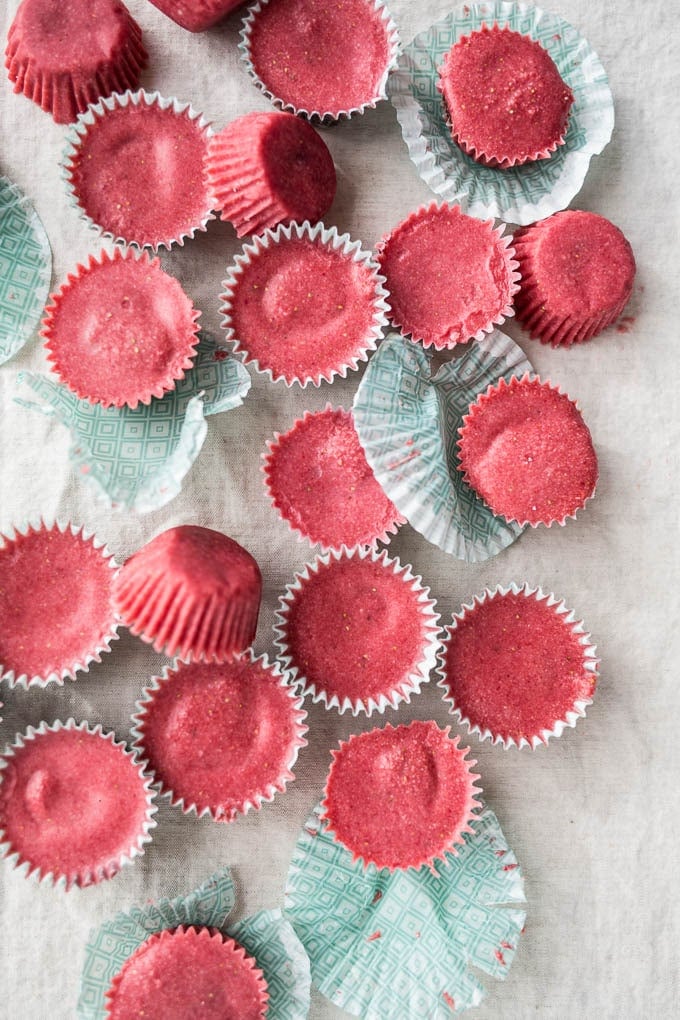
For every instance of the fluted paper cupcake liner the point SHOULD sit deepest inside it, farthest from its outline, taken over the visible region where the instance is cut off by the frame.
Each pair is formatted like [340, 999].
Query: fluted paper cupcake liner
[267, 936]
[254, 800]
[519, 194]
[408, 420]
[314, 115]
[25, 269]
[422, 603]
[590, 665]
[69, 671]
[89, 120]
[86, 876]
[328, 239]
[373, 957]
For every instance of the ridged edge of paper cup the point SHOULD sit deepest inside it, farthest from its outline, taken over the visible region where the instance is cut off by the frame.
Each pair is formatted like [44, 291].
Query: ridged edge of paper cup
[590, 664]
[254, 801]
[329, 239]
[37, 524]
[102, 872]
[425, 606]
[481, 399]
[321, 116]
[96, 112]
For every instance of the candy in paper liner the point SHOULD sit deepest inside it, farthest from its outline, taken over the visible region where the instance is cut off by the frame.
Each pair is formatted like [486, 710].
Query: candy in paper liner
[89, 120]
[407, 944]
[81, 539]
[423, 605]
[196, 17]
[408, 423]
[25, 269]
[321, 116]
[85, 875]
[519, 194]
[138, 459]
[253, 799]
[328, 239]
[267, 936]
[576, 627]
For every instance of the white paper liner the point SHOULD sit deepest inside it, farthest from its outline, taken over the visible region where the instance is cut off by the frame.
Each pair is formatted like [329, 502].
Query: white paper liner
[321, 116]
[520, 194]
[324, 237]
[102, 872]
[590, 663]
[78, 131]
[424, 605]
[256, 800]
[35, 524]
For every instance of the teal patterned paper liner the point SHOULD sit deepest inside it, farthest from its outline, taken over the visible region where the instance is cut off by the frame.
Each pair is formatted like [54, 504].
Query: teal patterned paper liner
[267, 936]
[137, 459]
[406, 944]
[25, 269]
[519, 194]
[408, 422]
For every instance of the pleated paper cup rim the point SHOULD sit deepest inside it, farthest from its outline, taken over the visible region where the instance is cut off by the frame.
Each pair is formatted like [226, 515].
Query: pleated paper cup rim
[273, 444]
[590, 664]
[253, 801]
[102, 872]
[533, 379]
[321, 116]
[78, 132]
[329, 239]
[412, 683]
[86, 535]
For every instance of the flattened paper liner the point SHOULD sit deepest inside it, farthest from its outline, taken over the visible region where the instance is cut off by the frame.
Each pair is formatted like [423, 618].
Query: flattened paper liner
[519, 194]
[25, 269]
[267, 936]
[138, 458]
[408, 424]
[402, 945]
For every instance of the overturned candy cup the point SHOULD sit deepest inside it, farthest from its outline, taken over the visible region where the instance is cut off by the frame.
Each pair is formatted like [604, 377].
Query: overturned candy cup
[517, 667]
[56, 610]
[75, 804]
[357, 631]
[304, 304]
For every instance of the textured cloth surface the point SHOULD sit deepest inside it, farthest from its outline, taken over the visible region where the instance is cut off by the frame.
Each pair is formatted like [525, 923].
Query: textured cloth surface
[593, 819]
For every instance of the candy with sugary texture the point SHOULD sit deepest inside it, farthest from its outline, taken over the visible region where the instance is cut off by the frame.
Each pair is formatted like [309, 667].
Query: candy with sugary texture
[196, 15]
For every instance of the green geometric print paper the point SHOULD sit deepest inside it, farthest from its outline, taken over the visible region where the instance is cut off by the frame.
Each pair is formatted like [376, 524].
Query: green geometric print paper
[408, 424]
[25, 269]
[267, 936]
[519, 194]
[405, 945]
[138, 458]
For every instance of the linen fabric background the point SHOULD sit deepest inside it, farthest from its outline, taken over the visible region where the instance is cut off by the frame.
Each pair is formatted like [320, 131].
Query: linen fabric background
[593, 819]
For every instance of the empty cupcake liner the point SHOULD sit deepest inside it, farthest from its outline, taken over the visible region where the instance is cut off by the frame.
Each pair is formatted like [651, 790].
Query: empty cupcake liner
[86, 121]
[329, 239]
[95, 655]
[89, 876]
[255, 800]
[408, 420]
[320, 116]
[138, 459]
[267, 936]
[424, 605]
[590, 664]
[412, 943]
[25, 269]
[519, 194]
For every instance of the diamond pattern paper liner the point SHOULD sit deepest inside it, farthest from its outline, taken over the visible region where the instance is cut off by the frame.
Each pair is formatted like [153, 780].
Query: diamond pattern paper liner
[267, 936]
[138, 458]
[25, 269]
[402, 945]
[408, 424]
[518, 194]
